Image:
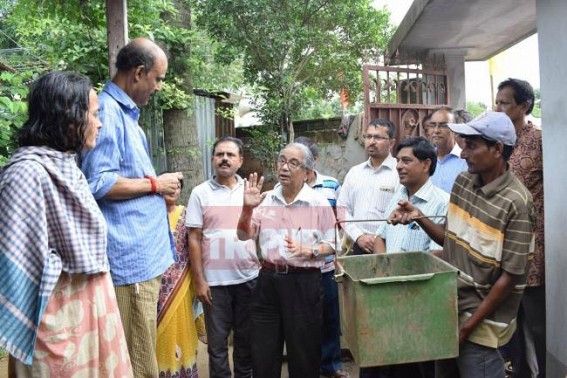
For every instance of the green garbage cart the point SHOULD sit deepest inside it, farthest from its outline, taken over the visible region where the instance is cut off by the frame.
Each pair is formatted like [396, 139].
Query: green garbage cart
[398, 308]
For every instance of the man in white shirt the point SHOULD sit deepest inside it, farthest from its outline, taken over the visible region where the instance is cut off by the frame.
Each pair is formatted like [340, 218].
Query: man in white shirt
[294, 226]
[368, 187]
[224, 268]
[329, 187]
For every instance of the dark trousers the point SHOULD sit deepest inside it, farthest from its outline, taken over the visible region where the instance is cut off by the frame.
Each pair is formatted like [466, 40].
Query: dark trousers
[331, 345]
[414, 370]
[531, 328]
[230, 311]
[287, 307]
[474, 361]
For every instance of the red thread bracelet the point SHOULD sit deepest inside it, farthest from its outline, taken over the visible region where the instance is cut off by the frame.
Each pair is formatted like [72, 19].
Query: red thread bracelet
[153, 181]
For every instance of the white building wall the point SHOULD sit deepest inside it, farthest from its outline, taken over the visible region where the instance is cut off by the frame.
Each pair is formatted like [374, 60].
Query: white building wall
[552, 30]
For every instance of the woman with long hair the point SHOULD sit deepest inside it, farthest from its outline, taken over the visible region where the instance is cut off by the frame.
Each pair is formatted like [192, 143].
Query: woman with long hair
[58, 311]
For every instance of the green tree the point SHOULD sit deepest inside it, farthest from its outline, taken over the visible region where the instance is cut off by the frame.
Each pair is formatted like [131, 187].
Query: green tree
[288, 46]
[71, 35]
[536, 112]
[476, 108]
[13, 110]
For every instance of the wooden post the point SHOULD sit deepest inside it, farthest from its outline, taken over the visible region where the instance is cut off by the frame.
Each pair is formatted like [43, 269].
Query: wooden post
[116, 30]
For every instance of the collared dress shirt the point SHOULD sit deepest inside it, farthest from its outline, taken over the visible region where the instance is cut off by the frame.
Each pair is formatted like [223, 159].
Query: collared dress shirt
[448, 169]
[330, 188]
[365, 194]
[140, 244]
[527, 163]
[432, 201]
[308, 219]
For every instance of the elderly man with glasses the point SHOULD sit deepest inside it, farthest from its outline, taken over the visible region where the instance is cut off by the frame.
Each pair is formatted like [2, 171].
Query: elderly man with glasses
[449, 162]
[294, 226]
[369, 186]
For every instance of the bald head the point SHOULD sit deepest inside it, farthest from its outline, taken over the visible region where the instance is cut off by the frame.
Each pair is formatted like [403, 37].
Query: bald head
[139, 52]
[141, 68]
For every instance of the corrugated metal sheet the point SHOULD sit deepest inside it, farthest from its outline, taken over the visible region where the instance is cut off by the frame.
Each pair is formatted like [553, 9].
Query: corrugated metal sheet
[205, 116]
[151, 120]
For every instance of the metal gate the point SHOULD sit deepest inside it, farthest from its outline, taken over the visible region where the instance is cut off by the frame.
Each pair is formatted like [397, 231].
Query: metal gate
[405, 94]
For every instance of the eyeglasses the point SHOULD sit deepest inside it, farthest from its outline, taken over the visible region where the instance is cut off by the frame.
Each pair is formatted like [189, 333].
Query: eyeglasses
[291, 163]
[435, 125]
[374, 137]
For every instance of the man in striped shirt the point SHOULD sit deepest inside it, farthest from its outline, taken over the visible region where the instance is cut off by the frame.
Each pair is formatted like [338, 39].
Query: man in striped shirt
[489, 237]
[417, 159]
[129, 193]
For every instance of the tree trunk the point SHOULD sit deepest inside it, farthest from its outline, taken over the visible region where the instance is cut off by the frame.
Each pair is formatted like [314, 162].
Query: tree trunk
[291, 131]
[116, 30]
[181, 141]
[180, 128]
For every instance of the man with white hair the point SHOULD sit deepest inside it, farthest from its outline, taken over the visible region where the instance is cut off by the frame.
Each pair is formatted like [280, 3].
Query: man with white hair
[294, 226]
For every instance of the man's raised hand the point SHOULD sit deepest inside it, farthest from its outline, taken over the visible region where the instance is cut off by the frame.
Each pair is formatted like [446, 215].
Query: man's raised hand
[252, 190]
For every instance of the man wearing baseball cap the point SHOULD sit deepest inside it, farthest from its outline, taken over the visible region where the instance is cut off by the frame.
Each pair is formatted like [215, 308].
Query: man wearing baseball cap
[489, 237]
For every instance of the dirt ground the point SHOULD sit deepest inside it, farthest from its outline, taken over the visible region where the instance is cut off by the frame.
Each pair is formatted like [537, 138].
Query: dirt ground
[202, 365]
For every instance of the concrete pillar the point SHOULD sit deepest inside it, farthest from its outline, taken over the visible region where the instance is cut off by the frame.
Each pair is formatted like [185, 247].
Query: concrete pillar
[455, 61]
[552, 28]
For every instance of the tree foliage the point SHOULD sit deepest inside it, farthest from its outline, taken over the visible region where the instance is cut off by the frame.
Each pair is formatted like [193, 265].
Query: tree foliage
[476, 108]
[71, 35]
[13, 109]
[290, 45]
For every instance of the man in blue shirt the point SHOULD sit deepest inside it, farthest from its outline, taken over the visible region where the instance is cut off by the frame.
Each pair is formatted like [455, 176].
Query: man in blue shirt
[417, 162]
[123, 181]
[449, 162]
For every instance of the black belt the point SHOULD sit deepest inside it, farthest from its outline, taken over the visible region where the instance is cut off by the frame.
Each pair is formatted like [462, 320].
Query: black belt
[285, 269]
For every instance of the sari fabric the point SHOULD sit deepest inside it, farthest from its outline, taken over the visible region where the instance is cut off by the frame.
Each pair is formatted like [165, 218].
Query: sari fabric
[176, 330]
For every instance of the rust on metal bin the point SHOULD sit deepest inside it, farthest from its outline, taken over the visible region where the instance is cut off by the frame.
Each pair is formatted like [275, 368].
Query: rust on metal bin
[398, 307]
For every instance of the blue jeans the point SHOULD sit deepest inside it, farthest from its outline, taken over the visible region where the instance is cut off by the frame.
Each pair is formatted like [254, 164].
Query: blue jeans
[474, 361]
[331, 342]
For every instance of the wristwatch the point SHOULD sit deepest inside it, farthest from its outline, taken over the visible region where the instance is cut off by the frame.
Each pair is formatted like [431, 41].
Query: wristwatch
[316, 252]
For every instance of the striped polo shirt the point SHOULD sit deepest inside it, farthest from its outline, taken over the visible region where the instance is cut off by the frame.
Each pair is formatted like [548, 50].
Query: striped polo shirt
[327, 186]
[330, 188]
[490, 229]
